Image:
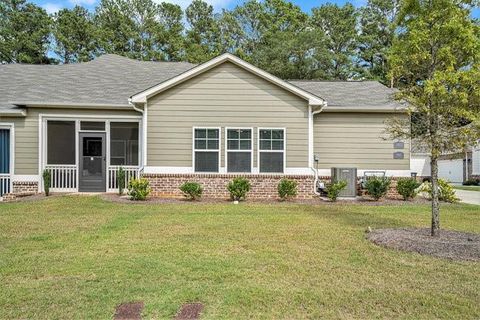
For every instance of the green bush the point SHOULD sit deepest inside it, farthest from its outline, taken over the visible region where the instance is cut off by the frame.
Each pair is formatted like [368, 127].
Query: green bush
[47, 180]
[472, 182]
[120, 180]
[192, 190]
[407, 188]
[287, 188]
[446, 192]
[333, 189]
[238, 188]
[138, 189]
[377, 187]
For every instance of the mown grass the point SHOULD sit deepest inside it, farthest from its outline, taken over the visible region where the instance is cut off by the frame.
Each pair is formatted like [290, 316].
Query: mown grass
[79, 257]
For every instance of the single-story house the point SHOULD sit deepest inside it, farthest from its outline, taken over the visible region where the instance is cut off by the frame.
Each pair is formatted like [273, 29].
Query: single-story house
[174, 121]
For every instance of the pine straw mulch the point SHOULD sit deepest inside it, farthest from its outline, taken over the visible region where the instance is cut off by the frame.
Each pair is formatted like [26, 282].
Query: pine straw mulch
[453, 245]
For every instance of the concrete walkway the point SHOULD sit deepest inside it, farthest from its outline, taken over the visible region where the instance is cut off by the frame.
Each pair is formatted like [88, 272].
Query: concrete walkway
[472, 197]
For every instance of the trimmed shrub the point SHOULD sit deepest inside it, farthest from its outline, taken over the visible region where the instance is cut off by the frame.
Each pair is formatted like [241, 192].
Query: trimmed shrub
[333, 189]
[120, 180]
[138, 189]
[238, 188]
[407, 188]
[287, 188]
[472, 182]
[377, 187]
[47, 180]
[446, 192]
[191, 190]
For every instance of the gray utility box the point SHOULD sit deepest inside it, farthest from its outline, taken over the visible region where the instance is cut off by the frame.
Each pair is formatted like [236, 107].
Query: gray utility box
[350, 176]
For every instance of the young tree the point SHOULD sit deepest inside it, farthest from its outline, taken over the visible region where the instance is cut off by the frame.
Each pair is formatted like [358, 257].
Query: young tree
[74, 33]
[377, 31]
[338, 24]
[435, 61]
[24, 32]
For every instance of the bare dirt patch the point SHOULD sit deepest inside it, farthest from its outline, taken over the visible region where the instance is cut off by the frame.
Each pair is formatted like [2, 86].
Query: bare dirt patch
[129, 311]
[189, 311]
[450, 244]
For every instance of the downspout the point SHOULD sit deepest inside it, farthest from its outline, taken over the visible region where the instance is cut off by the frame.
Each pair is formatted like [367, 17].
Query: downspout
[315, 171]
[144, 123]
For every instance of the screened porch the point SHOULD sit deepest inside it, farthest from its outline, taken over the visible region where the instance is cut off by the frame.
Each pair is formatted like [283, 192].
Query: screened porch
[84, 155]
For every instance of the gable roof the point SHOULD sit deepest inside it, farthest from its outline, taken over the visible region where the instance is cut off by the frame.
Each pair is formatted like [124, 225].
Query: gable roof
[141, 97]
[110, 80]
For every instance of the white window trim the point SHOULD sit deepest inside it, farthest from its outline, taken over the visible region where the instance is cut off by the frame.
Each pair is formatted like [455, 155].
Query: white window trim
[10, 126]
[284, 149]
[240, 150]
[77, 118]
[219, 150]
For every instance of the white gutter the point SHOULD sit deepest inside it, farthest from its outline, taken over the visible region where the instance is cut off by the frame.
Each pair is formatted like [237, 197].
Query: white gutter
[310, 136]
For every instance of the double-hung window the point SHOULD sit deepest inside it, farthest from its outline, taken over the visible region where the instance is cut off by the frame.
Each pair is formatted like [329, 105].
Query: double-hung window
[271, 150]
[239, 150]
[206, 149]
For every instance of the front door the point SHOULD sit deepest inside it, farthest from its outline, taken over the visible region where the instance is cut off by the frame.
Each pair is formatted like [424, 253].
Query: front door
[92, 162]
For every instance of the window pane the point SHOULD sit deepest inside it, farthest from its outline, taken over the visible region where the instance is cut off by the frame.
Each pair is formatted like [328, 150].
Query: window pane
[232, 134]
[212, 144]
[124, 143]
[277, 145]
[232, 144]
[90, 125]
[201, 144]
[245, 144]
[277, 134]
[213, 133]
[265, 134]
[200, 133]
[206, 161]
[265, 145]
[271, 162]
[60, 142]
[239, 162]
[246, 134]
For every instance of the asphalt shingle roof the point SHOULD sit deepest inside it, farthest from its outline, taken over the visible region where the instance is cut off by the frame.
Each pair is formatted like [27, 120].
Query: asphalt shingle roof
[112, 79]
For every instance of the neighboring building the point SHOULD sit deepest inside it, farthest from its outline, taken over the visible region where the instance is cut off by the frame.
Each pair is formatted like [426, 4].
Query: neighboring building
[455, 167]
[172, 122]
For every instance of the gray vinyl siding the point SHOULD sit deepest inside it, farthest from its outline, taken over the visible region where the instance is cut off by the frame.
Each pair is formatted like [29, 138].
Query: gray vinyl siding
[26, 134]
[226, 96]
[356, 140]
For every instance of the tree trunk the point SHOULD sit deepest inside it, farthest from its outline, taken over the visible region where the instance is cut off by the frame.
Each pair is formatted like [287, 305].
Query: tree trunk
[435, 193]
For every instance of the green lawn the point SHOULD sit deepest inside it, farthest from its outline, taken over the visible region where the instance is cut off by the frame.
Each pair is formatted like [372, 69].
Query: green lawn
[470, 188]
[79, 257]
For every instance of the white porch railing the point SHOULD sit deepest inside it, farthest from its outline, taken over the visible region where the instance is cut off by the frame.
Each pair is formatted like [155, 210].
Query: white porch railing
[63, 177]
[131, 172]
[5, 183]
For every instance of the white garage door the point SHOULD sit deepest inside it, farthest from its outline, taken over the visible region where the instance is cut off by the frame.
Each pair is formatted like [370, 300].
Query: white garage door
[451, 170]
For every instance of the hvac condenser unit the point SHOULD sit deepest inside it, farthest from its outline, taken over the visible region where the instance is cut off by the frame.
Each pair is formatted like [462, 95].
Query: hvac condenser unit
[350, 176]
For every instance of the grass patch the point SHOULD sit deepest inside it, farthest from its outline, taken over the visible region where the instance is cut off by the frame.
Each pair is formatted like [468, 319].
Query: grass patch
[469, 188]
[81, 257]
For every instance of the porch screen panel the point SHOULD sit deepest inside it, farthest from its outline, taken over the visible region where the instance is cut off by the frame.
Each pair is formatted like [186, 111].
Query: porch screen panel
[61, 142]
[124, 143]
[4, 151]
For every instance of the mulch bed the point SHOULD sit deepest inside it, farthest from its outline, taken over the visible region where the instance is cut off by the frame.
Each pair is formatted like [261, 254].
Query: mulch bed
[453, 245]
[129, 311]
[316, 201]
[189, 311]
